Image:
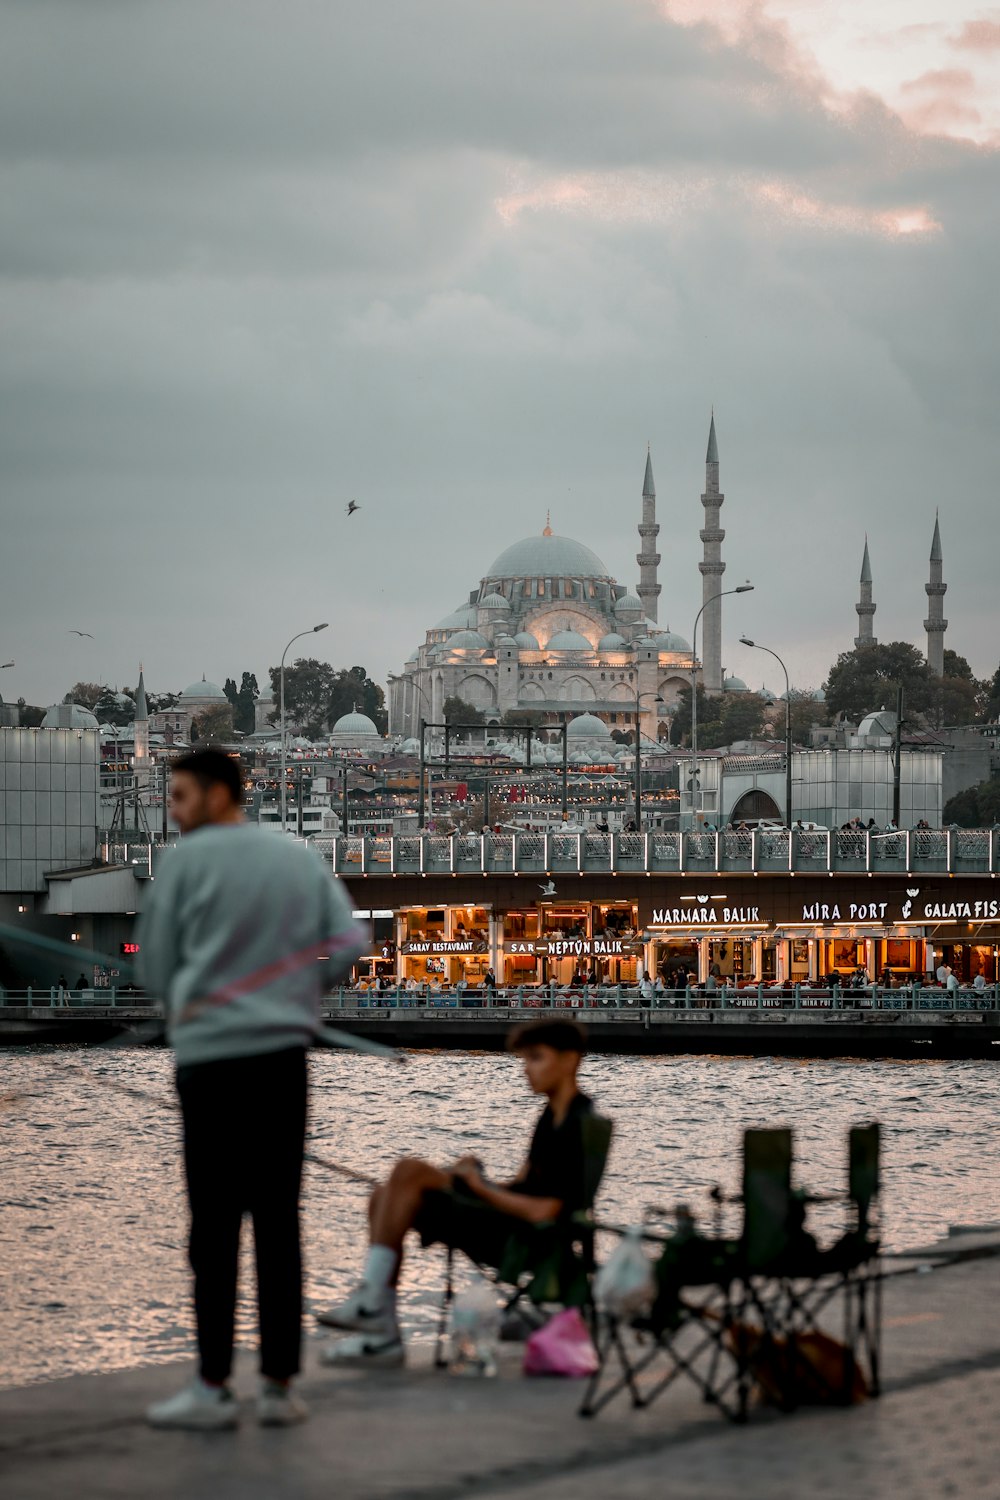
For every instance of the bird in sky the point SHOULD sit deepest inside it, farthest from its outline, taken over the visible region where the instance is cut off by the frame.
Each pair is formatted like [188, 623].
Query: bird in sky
[548, 889]
[352, 507]
[80, 632]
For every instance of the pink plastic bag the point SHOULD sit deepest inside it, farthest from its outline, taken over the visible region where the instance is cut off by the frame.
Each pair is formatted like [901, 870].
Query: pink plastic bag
[562, 1347]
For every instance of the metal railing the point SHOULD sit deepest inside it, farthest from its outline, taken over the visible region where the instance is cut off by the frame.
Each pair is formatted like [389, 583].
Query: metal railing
[798, 997]
[970, 851]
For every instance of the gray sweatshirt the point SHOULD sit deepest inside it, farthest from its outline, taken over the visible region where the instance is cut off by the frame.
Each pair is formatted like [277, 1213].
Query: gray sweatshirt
[239, 921]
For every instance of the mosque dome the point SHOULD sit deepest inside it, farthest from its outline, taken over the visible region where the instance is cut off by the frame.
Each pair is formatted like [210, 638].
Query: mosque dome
[355, 723]
[568, 640]
[628, 604]
[882, 723]
[466, 640]
[69, 716]
[463, 618]
[494, 601]
[734, 685]
[526, 641]
[819, 696]
[204, 689]
[669, 640]
[612, 642]
[414, 656]
[587, 727]
[548, 557]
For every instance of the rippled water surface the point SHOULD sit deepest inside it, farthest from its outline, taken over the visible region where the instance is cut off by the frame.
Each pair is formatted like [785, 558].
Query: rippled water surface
[92, 1214]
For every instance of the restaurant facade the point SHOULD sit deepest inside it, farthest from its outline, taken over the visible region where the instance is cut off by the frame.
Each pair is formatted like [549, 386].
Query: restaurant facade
[743, 929]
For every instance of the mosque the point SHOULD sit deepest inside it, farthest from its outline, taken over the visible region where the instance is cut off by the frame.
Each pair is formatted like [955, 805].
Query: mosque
[549, 629]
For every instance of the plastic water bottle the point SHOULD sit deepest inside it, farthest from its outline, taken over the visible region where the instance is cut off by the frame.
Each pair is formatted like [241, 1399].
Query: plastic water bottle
[475, 1328]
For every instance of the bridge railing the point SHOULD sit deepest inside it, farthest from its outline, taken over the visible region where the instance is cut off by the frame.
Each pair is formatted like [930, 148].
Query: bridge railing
[347, 1001]
[959, 851]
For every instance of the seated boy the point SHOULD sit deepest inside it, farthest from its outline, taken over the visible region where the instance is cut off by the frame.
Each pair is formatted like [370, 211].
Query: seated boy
[459, 1207]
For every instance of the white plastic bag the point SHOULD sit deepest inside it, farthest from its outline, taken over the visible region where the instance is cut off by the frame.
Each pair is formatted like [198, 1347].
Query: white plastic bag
[625, 1285]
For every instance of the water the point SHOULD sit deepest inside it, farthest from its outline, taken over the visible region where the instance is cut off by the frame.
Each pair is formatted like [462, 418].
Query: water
[93, 1221]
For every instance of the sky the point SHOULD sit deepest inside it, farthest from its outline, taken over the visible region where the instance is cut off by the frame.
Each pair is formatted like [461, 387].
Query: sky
[460, 261]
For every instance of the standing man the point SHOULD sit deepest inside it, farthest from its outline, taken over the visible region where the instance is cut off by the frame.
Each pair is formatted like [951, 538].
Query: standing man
[238, 920]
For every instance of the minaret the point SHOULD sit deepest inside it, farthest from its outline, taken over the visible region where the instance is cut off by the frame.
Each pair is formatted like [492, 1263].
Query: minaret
[864, 606]
[712, 568]
[648, 560]
[935, 624]
[140, 726]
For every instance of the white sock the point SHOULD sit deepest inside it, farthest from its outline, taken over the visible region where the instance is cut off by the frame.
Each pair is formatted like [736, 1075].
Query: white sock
[380, 1267]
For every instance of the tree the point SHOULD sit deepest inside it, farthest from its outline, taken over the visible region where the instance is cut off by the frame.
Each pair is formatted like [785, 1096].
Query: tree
[109, 708]
[990, 712]
[457, 711]
[231, 691]
[213, 726]
[354, 688]
[30, 716]
[245, 716]
[742, 718]
[863, 681]
[976, 807]
[309, 687]
[158, 703]
[85, 693]
[525, 718]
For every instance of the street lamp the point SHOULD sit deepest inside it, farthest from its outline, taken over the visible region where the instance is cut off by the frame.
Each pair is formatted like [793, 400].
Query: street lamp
[284, 767]
[742, 588]
[638, 756]
[745, 641]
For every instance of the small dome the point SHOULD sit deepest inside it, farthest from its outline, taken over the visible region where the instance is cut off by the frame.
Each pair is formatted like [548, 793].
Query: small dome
[463, 618]
[355, 723]
[415, 656]
[69, 716]
[548, 557]
[466, 640]
[628, 604]
[668, 640]
[881, 724]
[494, 601]
[819, 696]
[204, 689]
[734, 685]
[587, 727]
[612, 642]
[568, 640]
[526, 641]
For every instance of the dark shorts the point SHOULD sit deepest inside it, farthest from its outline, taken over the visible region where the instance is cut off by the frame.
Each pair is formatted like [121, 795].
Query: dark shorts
[460, 1220]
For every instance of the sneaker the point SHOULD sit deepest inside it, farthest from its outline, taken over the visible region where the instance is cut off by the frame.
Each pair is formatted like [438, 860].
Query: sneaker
[198, 1407]
[361, 1313]
[279, 1406]
[360, 1350]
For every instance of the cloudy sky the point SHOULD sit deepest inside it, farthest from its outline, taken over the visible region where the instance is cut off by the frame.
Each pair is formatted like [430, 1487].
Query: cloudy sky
[461, 260]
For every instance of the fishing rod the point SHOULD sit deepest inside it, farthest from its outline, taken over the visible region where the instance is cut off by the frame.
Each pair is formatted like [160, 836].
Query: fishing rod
[326, 1036]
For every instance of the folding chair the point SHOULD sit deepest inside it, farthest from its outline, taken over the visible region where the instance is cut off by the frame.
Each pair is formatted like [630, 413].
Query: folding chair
[550, 1262]
[705, 1287]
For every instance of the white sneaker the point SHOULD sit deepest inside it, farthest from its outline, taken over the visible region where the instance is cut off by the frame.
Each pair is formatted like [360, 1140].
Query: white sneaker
[362, 1312]
[361, 1350]
[198, 1407]
[279, 1406]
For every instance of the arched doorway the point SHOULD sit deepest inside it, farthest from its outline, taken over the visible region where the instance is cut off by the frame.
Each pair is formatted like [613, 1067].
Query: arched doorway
[753, 806]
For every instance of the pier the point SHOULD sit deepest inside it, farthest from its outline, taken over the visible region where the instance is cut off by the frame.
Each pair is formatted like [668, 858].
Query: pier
[420, 1434]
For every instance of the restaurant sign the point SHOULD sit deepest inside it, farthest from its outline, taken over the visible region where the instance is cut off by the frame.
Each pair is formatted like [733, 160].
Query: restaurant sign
[597, 947]
[435, 946]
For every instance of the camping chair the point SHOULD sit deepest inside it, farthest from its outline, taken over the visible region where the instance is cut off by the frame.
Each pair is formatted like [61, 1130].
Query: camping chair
[817, 1367]
[704, 1285]
[552, 1262]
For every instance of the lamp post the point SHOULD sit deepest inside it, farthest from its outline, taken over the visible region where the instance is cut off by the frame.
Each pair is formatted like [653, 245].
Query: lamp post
[638, 756]
[745, 641]
[742, 588]
[284, 758]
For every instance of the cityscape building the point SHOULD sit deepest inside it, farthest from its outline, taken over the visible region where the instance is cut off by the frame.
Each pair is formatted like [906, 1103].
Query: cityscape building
[865, 606]
[935, 624]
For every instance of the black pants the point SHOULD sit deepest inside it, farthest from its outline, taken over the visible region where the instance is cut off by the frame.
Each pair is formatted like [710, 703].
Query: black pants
[244, 1133]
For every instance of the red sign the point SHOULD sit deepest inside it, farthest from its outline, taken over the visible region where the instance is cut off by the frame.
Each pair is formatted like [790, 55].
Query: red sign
[129, 947]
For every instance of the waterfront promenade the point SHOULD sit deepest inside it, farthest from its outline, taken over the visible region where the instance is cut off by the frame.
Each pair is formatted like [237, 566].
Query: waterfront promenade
[422, 1435]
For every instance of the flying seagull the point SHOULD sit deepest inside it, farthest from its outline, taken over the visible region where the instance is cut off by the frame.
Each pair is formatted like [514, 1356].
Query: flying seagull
[352, 507]
[548, 889]
[80, 632]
